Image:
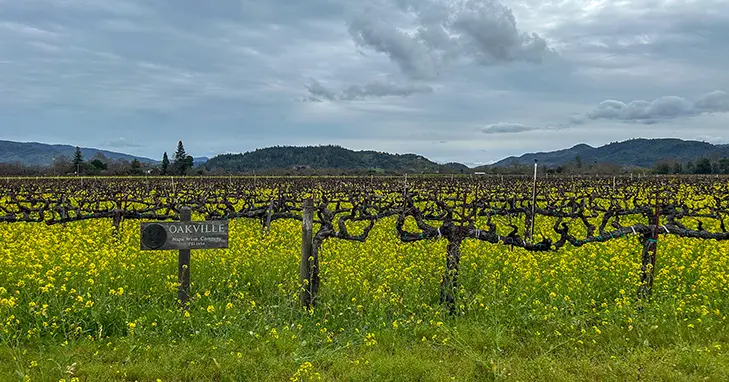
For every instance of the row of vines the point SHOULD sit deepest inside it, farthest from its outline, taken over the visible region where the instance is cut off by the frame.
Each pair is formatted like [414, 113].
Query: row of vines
[495, 210]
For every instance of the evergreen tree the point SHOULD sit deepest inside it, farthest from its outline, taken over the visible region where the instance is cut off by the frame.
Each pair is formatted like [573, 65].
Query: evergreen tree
[677, 168]
[724, 165]
[165, 163]
[703, 166]
[78, 160]
[578, 160]
[135, 168]
[98, 165]
[183, 162]
[189, 163]
[180, 154]
[179, 159]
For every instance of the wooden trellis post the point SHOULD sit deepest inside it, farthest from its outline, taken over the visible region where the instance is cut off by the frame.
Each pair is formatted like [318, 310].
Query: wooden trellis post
[269, 213]
[308, 268]
[183, 264]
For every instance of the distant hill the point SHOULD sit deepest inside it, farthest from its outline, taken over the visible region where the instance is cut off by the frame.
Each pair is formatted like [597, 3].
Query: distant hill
[635, 152]
[198, 161]
[41, 154]
[326, 157]
[455, 167]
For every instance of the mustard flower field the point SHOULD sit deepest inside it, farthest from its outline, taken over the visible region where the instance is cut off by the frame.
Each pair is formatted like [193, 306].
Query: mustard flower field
[82, 302]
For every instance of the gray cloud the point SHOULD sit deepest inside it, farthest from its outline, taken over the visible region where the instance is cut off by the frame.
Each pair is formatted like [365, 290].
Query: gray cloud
[421, 36]
[507, 128]
[318, 92]
[383, 89]
[411, 56]
[667, 107]
[644, 47]
[716, 101]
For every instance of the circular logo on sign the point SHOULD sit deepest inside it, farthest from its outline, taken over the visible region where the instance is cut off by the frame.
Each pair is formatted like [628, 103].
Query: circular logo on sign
[154, 236]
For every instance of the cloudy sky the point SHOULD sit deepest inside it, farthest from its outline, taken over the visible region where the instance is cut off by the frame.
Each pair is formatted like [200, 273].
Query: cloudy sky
[455, 80]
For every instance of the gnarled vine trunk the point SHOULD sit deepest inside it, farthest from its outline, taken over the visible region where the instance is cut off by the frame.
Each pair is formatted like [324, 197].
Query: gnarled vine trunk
[449, 284]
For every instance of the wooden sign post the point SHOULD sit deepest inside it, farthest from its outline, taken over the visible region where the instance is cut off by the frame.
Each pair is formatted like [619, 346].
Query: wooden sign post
[184, 236]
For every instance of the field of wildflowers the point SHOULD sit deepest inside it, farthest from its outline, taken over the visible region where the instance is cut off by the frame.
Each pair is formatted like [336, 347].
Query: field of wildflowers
[82, 302]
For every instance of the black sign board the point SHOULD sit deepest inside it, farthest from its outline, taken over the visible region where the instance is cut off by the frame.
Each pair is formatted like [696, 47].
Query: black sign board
[185, 235]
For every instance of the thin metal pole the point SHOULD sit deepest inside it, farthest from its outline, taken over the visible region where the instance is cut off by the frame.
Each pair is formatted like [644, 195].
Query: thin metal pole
[534, 200]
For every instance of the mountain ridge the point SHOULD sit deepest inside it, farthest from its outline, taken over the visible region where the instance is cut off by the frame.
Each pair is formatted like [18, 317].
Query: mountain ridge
[636, 152]
[327, 157]
[43, 154]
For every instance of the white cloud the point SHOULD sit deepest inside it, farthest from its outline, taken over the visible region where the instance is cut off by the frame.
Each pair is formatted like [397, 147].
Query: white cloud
[666, 107]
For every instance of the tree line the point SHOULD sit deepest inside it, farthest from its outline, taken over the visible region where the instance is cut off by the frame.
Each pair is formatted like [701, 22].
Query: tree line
[704, 165]
[700, 166]
[100, 165]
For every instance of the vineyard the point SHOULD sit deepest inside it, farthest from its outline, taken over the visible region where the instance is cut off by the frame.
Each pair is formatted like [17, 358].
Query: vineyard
[425, 278]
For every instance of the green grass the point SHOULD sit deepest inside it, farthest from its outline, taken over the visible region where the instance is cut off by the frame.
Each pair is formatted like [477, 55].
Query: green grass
[472, 355]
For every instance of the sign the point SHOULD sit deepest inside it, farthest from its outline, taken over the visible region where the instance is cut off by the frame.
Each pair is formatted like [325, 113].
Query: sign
[185, 235]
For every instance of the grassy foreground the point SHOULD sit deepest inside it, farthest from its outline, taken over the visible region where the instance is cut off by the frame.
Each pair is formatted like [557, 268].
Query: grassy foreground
[80, 302]
[394, 358]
